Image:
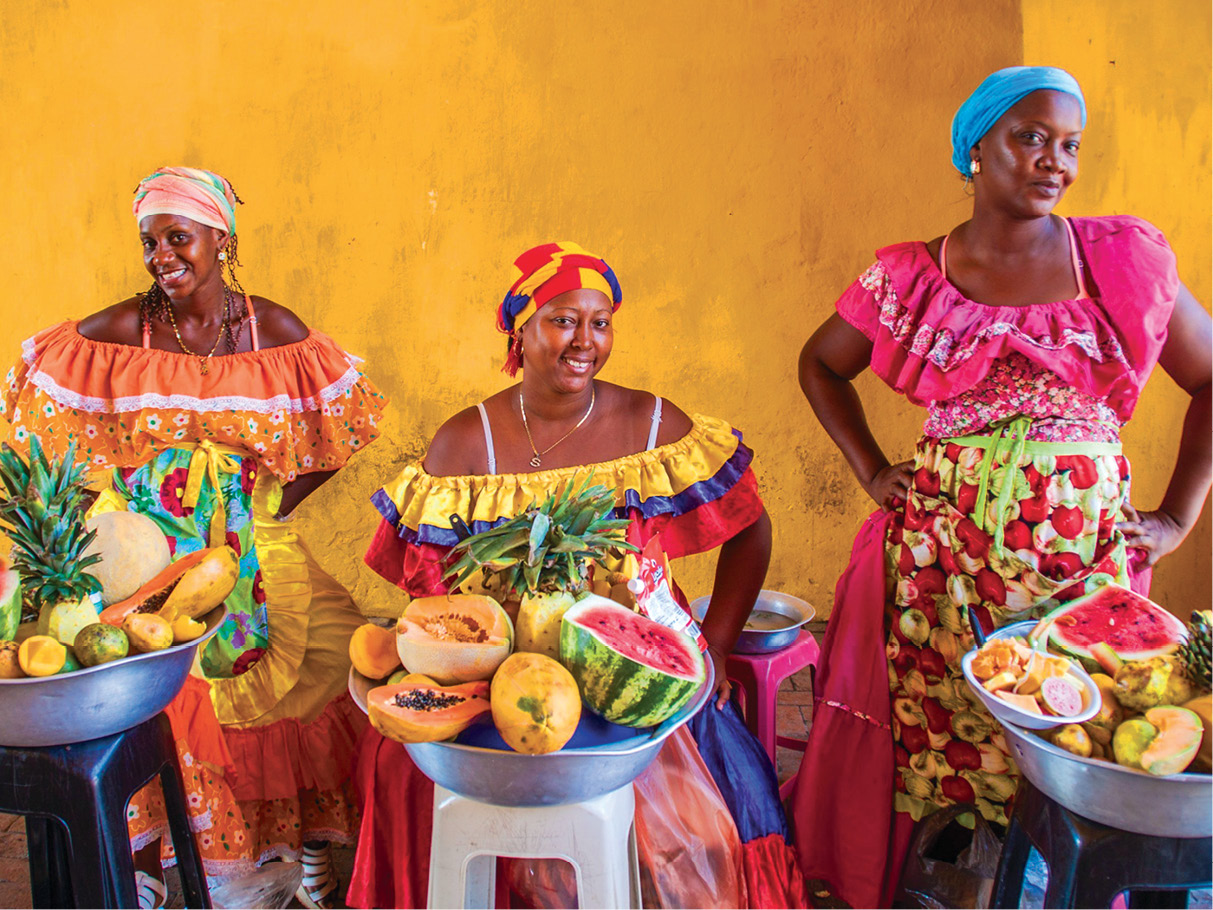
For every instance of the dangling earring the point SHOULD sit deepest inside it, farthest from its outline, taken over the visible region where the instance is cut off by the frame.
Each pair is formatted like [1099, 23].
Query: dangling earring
[974, 167]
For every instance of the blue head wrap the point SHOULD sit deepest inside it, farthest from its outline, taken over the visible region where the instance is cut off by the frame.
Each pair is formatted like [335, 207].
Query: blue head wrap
[996, 95]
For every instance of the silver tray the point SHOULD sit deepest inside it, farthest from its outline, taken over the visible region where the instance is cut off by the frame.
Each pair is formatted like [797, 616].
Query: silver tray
[1177, 806]
[754, 641]
[97, 701]
[507, 778]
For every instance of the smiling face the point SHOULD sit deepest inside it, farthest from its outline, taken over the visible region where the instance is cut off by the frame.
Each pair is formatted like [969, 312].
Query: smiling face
[181, 254]
[569, 339]
[1029, 157]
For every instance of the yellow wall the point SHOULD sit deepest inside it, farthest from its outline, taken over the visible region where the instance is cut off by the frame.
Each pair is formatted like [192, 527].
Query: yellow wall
[736, 163]
[1145, 70]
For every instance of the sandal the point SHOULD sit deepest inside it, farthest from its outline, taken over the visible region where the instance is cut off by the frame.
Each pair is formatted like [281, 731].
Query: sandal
[319, 881]
[152, 893]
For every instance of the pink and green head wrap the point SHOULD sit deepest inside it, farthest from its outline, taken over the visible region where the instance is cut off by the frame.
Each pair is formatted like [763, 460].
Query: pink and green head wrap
[997, 94]
[189, 192]
[548, 271]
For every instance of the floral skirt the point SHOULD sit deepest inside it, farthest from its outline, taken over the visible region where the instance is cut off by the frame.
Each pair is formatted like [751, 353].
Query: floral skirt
[1010, 529]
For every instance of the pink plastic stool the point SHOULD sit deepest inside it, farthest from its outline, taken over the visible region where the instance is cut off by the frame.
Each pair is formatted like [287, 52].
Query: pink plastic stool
[759, 676]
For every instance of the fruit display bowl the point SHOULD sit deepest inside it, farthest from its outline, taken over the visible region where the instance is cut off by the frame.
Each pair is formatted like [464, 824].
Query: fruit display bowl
[97, 701]
[474, 766]
[1180, 805]
[1006, 713]
[794, 611]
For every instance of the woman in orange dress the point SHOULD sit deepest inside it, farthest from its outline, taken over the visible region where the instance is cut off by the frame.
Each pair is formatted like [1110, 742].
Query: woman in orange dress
[216, 414]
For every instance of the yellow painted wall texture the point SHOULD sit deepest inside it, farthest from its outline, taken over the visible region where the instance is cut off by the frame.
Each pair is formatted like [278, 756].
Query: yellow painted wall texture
[1145, 70]
[736, 163]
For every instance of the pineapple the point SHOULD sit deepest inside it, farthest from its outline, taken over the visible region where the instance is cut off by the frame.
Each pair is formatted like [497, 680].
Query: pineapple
[542, 556]
[42, 511]
[1194, 655]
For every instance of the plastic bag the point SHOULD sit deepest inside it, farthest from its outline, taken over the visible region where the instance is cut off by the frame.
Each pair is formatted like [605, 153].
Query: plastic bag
[934, 878]
[690, 853]
[271, 887]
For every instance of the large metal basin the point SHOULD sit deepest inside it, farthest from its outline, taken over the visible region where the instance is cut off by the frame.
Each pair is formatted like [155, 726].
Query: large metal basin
[765, 641]
[97, 701]
[506, 778]
[1177, 806]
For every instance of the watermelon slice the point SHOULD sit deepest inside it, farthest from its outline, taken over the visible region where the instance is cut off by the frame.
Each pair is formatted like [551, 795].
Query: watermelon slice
[10, 600]
[629, 669]
[1136, 628]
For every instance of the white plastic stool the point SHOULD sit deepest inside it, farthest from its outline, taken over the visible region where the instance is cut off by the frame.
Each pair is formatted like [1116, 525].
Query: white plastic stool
[596, 836]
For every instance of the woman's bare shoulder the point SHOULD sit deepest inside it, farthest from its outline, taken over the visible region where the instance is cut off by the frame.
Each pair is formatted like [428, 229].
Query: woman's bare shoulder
[277, 325]
[640, 405]
[117, 324]
[458, 447]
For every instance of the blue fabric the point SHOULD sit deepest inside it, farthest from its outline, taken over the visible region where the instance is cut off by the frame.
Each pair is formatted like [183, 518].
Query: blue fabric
[996, 95]
[743, 773]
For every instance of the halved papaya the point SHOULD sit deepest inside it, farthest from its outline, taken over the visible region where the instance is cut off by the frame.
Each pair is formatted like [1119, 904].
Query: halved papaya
[454, 638]
[420, 713]
[191, 586]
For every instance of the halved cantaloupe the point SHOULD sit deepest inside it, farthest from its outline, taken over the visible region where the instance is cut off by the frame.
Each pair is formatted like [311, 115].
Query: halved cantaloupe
[420, 713]
[454, 638]
[1179, 735]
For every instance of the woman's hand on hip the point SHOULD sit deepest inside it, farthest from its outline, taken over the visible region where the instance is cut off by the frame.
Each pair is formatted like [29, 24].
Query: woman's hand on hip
[1155, 532]
[891, 485]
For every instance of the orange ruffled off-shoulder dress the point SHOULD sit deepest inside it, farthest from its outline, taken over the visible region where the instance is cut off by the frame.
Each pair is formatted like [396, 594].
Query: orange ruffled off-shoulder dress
[266, 735]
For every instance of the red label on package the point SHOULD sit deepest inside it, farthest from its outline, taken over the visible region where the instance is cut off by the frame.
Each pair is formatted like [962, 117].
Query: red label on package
[654, 593]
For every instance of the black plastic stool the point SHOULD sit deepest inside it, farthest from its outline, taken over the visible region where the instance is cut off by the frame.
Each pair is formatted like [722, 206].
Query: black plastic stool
[1089, 863]
[74, 799]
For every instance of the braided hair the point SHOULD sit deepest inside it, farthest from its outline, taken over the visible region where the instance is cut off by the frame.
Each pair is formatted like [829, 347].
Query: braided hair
[154, 303]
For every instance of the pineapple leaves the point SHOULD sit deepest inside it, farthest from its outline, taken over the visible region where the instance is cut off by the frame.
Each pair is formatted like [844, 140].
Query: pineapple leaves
[42, 510]
[548, 546]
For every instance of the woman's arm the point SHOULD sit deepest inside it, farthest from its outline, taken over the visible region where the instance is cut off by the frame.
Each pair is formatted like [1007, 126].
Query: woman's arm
[300, 489]
[740, 571]
[836, 354]
[1187, 358]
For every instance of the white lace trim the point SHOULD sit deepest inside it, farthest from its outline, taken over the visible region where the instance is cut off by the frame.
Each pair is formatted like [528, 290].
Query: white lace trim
[222, 403]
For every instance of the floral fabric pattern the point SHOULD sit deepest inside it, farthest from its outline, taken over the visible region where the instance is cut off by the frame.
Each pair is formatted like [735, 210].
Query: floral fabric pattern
[1059, 542]
[156, 490]
[1017, 386]
[299, 408]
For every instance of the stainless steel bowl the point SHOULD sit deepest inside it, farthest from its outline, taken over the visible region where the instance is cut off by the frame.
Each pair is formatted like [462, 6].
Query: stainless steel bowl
[754, 641]
[97, 701]
[1177, 806]
[506, 778]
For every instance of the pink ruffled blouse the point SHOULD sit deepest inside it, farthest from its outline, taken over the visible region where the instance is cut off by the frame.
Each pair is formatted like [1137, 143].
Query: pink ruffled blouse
[1078, 366]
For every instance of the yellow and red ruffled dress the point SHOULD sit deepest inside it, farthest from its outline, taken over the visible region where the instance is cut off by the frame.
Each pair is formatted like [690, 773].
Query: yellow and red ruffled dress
[267, 734]
[702, 845]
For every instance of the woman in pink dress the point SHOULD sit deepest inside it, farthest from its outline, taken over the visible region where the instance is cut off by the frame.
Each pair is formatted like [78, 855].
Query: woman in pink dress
[1028, 337]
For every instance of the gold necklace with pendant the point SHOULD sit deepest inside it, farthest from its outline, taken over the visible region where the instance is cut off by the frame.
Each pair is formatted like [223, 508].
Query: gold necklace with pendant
[204, 360]
[535, 460]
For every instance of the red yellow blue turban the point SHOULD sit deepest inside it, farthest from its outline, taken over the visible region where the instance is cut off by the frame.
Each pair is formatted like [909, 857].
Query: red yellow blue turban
[190, 192]
[547, 271]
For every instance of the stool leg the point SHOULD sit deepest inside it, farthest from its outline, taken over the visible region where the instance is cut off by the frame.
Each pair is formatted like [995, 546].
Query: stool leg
[479, 882]
[189, 860]
[1012, 861]
[606, 874]
[1157, 900]
[49, 869]
[99, 879]
[766, 711]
